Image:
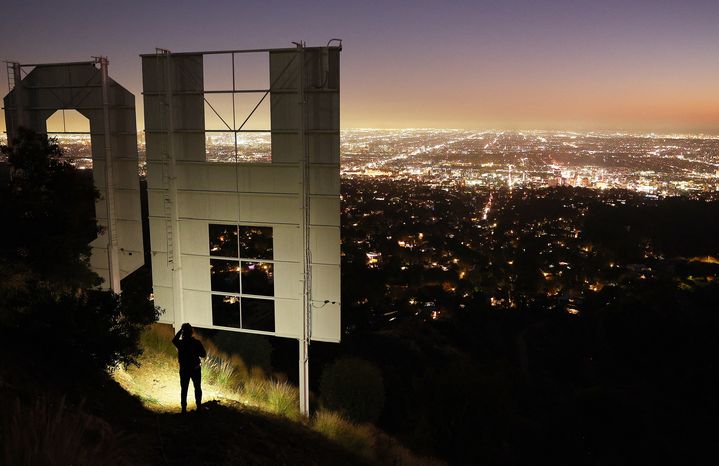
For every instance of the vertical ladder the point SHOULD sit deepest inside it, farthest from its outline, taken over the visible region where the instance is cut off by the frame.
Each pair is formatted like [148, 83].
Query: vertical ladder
[14, 111]
[164, 105]
[168, 231]
[10, 75]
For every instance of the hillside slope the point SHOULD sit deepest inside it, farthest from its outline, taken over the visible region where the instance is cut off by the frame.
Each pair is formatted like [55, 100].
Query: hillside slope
[44, 405]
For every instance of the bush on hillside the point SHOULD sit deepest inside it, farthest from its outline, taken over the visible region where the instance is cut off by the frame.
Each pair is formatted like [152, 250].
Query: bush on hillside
[93, 329]
[49, 299]
[354, 387]
[255, 350]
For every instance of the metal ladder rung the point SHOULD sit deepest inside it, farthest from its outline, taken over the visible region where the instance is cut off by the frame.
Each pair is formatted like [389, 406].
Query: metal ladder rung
[168, 231]
[10, 67]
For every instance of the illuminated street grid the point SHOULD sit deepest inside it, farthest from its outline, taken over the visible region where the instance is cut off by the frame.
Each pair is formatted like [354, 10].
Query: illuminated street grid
[652, 164]
[661, 165]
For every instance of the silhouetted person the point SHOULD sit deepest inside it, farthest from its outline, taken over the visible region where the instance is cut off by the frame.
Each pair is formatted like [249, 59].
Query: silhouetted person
[189, 352]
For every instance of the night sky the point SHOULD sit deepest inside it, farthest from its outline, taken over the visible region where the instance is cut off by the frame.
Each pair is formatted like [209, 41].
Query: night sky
[511, 64]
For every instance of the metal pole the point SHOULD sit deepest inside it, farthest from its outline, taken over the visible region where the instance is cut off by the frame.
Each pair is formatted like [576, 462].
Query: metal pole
[113, 253]
[304, 346]
[177, 300]
[19, 102]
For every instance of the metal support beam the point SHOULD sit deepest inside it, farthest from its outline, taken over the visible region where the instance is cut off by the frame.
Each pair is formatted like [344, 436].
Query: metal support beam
[113, 252]
[174, 250]
[304, 350]
[19, 111]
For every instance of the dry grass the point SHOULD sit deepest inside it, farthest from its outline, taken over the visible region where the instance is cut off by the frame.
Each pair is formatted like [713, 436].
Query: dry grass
[226, 378]
[283, 400]
[354, 437]
[219, 371]
[367, 441]
[51, 432]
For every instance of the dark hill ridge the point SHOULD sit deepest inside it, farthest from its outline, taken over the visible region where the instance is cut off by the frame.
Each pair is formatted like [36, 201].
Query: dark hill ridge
[218, 435]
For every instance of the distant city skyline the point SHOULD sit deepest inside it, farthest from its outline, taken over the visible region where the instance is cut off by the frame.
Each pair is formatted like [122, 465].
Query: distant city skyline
[643, 66]
[654, 165]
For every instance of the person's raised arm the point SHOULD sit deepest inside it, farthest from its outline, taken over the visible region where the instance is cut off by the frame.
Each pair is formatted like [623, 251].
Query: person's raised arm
[176, 340]
[201, 349]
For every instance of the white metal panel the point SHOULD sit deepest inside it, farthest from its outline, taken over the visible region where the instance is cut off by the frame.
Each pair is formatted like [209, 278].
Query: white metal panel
[325, 245]
[196, 273]
[285, 148]
[230, 177]
[158, 234]
[324, 148]
[194, 237]
[206, 177]
[272, 179]
[198, 310]
[326, 324]
[214, 206]
[221, 177]
[163, 299]
[285, 112]
[321, 110]
[156, 176]
[130, 261]
[103, 273]
[129, 236]
[324, 180]
[127, 206]
[288, 318]
[156, 202]
[325, 283]
[101, 241]
[98, 176]
[287, 243]
[284, 70]
[125, 173]
[98, 258]
[269, 209]
[287, 283]
[192, 177]
[154, 142]
[161, 273]
[325, 211]
[185, 74]
[190, 146]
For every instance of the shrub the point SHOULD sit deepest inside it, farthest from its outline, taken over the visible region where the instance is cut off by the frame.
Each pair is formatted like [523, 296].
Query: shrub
[93, 329]
[255, 350]
[353, 437]
[217, 369]
[283, 400]
[255, 390]
[158, 339]
[47, 289]
[50, 205]
[354, 387]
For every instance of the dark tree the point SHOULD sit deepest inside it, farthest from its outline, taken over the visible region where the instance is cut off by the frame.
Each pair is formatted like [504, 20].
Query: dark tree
[48, 292]
[48, 209]
[354, 387]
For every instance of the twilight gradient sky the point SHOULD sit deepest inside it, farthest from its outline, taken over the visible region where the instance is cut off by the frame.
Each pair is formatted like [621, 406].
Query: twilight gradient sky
[510, 64]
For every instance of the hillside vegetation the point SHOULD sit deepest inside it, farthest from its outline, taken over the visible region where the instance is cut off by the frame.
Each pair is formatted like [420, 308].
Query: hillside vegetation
[53, 415]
